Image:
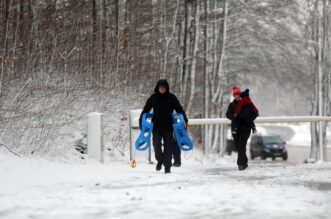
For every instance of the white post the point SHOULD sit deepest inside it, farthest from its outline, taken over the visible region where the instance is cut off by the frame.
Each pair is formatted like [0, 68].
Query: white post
[95, 143]
[134, 125]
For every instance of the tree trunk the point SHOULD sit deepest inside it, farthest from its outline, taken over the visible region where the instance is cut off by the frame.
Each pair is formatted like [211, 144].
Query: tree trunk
[222, 75]
[117, 24]
[102, 40]
[206, 77]
[194, 58]
[4, 23]
[186, 48]
[94, 35]
[167, 38]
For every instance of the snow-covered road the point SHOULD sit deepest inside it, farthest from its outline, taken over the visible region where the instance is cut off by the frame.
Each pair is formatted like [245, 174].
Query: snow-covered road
[31, 188]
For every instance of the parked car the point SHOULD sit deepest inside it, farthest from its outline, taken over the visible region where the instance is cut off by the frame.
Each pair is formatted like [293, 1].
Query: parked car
[268, 145]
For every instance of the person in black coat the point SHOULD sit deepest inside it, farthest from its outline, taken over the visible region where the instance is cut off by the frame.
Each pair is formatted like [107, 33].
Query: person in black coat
[241, 123]
[163, 104]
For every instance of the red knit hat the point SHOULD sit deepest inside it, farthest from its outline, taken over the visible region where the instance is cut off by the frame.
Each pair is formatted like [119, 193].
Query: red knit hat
[236, 90]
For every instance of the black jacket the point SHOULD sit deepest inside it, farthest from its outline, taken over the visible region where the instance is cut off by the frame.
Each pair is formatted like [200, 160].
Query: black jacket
[244, 119]
[163, 106]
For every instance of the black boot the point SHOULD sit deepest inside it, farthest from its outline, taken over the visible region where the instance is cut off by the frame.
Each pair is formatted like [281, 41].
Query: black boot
[242, 167]
[159, 166]
[176, 164]
[167, 170]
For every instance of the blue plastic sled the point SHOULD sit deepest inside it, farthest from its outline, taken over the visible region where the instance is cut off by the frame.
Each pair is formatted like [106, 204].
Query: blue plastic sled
[144, 139]
[183, 139]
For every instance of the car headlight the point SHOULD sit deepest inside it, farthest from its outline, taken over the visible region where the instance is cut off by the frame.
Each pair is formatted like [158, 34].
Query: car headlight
[268, 146]
[266, 150]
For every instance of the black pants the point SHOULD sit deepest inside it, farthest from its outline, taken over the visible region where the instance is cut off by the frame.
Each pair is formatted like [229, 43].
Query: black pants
[240, 141]
[164, 156]
[176, 153]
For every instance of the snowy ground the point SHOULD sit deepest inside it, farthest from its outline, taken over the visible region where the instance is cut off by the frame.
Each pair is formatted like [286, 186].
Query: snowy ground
[201, 188]
[204, 187]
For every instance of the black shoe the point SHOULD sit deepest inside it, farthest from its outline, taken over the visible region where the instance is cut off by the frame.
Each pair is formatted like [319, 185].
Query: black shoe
[158, 166]
[242, 167]
[176, 164]
[167, 170]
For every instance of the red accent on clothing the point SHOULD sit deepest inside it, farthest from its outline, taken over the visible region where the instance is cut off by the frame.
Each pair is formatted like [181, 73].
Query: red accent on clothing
[243, 102]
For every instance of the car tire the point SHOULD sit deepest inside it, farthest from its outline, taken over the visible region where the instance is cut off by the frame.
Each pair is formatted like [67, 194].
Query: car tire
[252, 156]
[263, 156]
[284, 157]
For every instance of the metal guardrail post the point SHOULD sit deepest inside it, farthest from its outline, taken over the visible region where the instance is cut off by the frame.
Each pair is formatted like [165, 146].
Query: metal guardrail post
[320, 141]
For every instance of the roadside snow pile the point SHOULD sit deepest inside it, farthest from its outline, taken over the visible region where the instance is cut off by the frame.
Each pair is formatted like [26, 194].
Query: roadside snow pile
[302, 135]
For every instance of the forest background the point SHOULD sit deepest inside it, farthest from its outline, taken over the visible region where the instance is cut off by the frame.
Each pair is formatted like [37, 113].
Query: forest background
[60, 59]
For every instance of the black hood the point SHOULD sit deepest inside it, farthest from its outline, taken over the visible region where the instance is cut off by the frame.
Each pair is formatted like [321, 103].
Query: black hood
[162, 82]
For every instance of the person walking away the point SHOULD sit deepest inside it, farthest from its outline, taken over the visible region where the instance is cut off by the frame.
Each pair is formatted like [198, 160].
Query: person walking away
[163, 104]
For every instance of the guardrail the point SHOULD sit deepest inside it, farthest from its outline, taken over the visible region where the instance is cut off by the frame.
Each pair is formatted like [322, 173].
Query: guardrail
[134, 116]
[223, 121]
[287, 119]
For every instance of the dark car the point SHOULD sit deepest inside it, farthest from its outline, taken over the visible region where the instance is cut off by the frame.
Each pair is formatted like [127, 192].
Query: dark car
[265, 146]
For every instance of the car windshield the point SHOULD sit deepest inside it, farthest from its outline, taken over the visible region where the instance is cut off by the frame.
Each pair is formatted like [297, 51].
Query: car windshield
[272, 140]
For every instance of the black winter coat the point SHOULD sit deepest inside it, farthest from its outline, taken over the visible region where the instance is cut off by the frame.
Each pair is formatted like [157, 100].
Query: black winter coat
[244, 119]
[163, 106]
